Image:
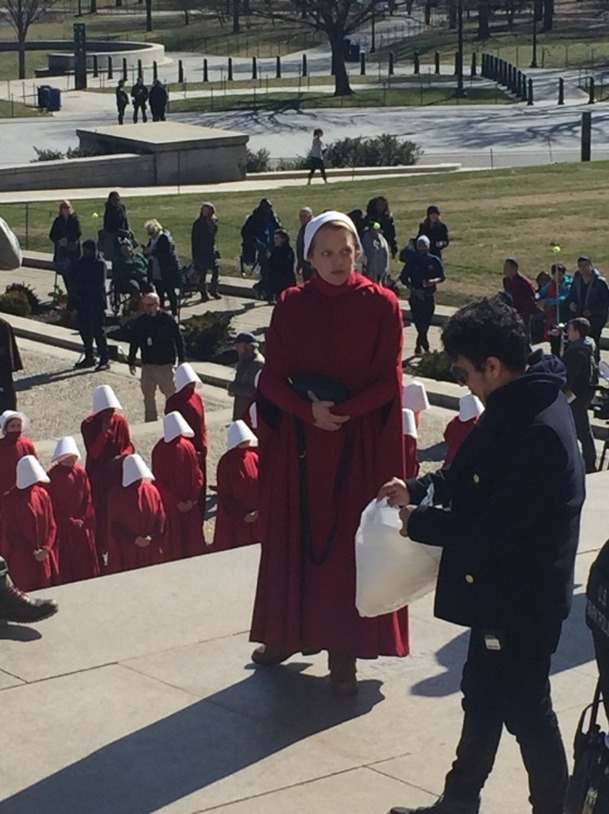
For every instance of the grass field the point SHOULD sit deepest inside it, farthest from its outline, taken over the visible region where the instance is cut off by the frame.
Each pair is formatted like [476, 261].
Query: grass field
[9, 110]
[490, 215]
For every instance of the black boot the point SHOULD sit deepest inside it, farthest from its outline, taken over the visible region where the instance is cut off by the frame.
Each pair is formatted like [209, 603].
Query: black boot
[15, 606]
[445, 805]
[88, 361]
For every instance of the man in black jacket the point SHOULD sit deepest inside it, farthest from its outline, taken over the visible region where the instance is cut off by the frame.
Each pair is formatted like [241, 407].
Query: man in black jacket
[421, 274]
[582, 377]
[158, 98]
[158, 337]
[88, 297]
[589, 298]
[139, 97]
[507, 516]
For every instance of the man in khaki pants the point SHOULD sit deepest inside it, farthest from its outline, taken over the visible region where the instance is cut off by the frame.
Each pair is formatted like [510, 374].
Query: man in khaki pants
[156, 334]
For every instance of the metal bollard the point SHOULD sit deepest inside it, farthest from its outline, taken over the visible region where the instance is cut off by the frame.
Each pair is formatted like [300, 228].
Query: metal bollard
[205, 71]
[390, 69]
[530, 99]
[140, 72]
[561, 91]
[437, 62]
[591, 91]
[586, 138]
[180, 72]
[254, 68]
[155, 71]
[416, 62]
[278, 67]
[125, 68]
[110, 72]
[95, 65]
[305, 67]
[362, 64]
[474, 67]
[230, 69]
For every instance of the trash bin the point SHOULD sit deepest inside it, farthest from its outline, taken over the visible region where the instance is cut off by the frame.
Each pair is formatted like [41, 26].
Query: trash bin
[43, 96]
[54, 100]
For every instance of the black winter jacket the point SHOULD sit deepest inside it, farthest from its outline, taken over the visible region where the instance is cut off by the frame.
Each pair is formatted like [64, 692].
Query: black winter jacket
[507, 514]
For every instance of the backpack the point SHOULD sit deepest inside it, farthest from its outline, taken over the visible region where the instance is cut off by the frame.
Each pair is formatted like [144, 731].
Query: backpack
[588, 789]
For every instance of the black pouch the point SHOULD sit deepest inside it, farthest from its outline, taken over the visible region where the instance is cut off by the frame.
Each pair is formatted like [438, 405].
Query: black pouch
[324, 387]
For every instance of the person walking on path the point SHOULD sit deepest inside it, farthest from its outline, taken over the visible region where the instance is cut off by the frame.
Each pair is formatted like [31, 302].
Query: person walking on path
[88, 297]
[316, 156]
[507, 568]
[204, 251]
[159, 339]
[158, 98]
[522, 292]
[303, 266]
[589, 298]
[421, 275]
[65, 236]
[139, 97]
[164, 264]
[437, 231]
[329, 429]
[582, 377]
[243, 386]
[122, 100]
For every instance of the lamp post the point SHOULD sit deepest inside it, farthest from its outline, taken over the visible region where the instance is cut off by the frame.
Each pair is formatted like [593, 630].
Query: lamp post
[460, 92]
[534, 59]
[373, 33]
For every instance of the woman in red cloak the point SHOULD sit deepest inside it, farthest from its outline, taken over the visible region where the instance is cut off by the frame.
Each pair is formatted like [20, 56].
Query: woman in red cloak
[29, 532]
[107, 441]
[330, 399]
[458, 428]
[179, 480]
[409, 438]
[136, 519]
[13, 446]
[189, 404]
[70, 493]
[237, 478]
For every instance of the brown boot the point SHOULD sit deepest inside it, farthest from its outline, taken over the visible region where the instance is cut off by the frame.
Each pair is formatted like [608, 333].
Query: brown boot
[266, 656]
[343, 671]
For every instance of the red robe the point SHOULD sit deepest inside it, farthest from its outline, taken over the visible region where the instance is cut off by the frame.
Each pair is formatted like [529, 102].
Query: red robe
[411, 462]
[28, 524]
[352, 333]
[190, 405]
[455, 434]
[105, 451]
[71, 497]
[237, 479]
[135, 511]
[13, 447]
[179, 478]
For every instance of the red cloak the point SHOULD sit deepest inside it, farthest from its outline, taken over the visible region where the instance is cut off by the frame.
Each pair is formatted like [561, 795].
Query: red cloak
[237, 479]
[351, 333]
[135, 511]
[455, 434]
[28, 524]
[190, 405]
[71, 497]
[411, 462]
[13, 447]
[104, 465]
[179, 478]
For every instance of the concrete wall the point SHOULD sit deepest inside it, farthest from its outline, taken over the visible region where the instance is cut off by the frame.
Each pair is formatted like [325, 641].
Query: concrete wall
[80, 173]
[61, 56]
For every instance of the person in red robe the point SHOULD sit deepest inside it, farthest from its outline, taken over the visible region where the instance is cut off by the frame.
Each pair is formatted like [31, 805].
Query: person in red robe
[330, 399]
[409, 438]
[458, 428]
[13, 446]
[29, 531]
[70, 493]
[237, 478]
[136, 519]
[189, 404]
[414, 397]
[107, 441]
[179, 480]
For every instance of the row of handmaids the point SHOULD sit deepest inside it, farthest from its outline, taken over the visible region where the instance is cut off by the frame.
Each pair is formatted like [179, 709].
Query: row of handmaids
[117, 514]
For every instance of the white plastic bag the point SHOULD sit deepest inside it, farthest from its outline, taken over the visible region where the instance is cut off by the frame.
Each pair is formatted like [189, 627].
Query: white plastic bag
[391, 571]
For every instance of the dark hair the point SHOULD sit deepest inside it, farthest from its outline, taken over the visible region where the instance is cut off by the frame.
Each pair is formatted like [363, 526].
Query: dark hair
[581, 325]
[511, 261]
[489, 327]
[543, 275]
[433, 210]
[584, 259]
[318, 131]
[283, 234]
[558, 268]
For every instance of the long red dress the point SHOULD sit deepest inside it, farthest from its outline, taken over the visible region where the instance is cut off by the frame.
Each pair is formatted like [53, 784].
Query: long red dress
[28, 524]
[455, 434]
[190, 405]
[237, 479]
[411, 461]
[105, 451]
[179, 478]
[352, 333]
[71, 497]
[135, 511]
[13, 447]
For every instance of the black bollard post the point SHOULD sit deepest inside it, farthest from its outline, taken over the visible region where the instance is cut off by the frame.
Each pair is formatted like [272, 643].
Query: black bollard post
[305, 67]
[125, 68]
[437, 62]
[155, 71]
[416, 62]
[474, 67]
[586, 136]
[530, 99]
[457, 63]
[362, 64]
[390, 69]
[205, 71]
[110, 72]
[561, 91]
[140, 73]
[591, 91]
[278, 67]
[230, 69]
[95, 65]
[254, 68]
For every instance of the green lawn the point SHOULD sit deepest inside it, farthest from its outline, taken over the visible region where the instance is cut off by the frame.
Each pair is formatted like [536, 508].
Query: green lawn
[490, 215]
[394, 97]
[15, 110]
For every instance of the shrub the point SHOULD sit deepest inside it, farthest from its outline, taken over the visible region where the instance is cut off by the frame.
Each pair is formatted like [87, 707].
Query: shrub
[259, 161]
[206, 334]
[16, 303]
[383, 151]
[47, 155]
[28, 293]
[435, 364]
[287, 164]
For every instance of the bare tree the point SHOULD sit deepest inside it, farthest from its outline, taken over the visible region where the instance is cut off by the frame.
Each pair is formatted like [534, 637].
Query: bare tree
[337, 19]
[20, 14]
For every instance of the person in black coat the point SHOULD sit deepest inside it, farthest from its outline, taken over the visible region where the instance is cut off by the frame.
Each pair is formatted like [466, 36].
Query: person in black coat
[116, 225]
[507, 517]
[164, 266]
[88, 298]
[281, 265]
[122, 100]
[139, 97]
[257, 235]
[597, 617]
[589, 298]
[204, 251]
[437, 231]
[579, 359]
[158, 98]
[65, 235]
[421, 274]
